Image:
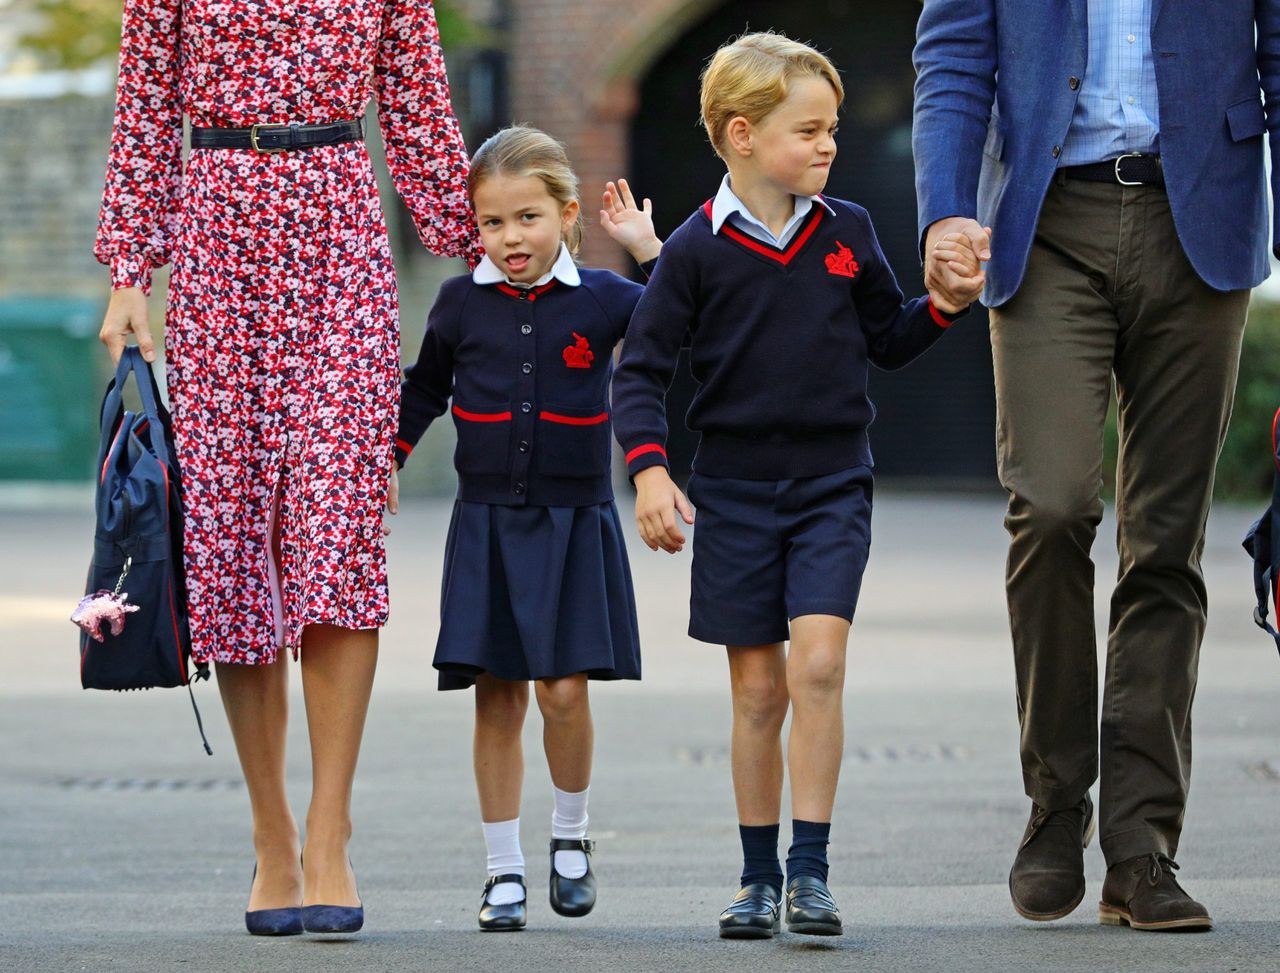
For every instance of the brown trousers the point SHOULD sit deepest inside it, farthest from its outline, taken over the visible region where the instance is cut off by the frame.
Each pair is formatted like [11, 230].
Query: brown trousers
[1108, 294]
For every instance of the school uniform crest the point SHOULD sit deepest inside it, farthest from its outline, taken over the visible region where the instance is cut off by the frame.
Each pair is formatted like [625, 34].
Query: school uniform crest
[840, 262]
[579, 354]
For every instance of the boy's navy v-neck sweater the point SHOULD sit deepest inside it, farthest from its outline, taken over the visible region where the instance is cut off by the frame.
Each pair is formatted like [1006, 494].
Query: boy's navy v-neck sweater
[779, 341]
[528, 373]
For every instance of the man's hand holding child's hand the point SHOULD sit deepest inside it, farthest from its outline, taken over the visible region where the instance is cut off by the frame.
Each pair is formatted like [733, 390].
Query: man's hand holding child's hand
[954, 274]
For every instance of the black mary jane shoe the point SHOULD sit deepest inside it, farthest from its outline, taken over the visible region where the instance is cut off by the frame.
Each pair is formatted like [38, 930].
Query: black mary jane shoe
[502, 918]
[754, 913]
[811, 911]
[572, 897]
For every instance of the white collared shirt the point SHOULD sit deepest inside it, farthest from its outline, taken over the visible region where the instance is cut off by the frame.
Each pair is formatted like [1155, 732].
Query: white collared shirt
[727, 206]
[563, 270]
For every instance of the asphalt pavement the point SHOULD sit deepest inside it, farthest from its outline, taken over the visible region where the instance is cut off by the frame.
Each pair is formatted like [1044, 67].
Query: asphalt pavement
[123, 847]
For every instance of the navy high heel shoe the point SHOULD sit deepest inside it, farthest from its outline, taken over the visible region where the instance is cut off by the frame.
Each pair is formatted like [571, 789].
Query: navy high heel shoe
[333, 918]
[272, 922]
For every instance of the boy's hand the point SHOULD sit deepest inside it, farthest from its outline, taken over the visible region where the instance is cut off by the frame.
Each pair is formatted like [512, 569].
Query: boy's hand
[954, 272]
[629, 225]
[393, 495]
[657, 501]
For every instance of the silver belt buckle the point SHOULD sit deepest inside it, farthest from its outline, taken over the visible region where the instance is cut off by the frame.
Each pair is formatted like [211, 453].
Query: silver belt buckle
[1127, 155]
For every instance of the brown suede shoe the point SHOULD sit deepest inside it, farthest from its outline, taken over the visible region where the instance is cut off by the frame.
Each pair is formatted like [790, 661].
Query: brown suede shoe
[1047, 879]
[1142, 892]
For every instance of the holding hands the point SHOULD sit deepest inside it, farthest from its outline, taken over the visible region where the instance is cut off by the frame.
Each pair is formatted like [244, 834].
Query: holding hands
[954, 249]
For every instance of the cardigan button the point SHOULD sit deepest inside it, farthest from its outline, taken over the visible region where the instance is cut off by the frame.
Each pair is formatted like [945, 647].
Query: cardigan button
[524, 445]
[526, 407]
[526, 329]
[526, 368]
[519, 489]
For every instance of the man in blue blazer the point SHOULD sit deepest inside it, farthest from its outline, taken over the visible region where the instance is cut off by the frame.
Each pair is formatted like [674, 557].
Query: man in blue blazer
[1114, 149]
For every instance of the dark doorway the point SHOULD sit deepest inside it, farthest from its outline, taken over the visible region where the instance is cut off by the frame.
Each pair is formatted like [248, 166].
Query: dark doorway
[937, 417]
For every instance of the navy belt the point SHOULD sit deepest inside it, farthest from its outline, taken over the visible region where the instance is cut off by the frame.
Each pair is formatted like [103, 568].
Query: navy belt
[278, 137]
[1133, 169]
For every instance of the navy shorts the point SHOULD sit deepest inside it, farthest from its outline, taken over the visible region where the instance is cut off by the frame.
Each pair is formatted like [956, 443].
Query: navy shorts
[767, 551]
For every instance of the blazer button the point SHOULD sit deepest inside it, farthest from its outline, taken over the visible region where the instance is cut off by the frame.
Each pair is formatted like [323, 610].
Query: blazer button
[1057, 151]
[526, 368]
[526, 407]
[526, 329]
[524, 446]
[1073, 84]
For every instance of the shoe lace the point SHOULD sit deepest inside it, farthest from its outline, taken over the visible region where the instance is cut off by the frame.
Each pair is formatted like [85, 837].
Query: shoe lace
[1157, 866]
[1043, 818]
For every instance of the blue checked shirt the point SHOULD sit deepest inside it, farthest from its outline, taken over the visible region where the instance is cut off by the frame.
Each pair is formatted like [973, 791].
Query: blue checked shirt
[1117, 110]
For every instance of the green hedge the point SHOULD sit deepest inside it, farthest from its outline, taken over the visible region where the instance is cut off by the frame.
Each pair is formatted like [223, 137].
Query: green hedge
[1245, 467]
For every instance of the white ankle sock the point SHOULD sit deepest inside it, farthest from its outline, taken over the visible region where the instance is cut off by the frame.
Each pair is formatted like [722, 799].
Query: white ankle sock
[502, 843]
[569, 820]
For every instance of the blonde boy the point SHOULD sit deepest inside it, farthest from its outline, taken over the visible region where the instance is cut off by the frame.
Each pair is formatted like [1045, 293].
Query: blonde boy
[788, 298]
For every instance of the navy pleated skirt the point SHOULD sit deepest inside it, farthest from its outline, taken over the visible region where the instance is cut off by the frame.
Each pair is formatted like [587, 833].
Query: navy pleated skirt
[536, 593]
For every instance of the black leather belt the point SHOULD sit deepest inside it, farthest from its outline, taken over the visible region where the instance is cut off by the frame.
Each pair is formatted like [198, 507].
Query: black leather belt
[1134, 169]
[278, 138]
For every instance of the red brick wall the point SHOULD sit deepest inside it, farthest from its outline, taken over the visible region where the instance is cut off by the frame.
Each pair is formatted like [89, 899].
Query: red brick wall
[573, 71]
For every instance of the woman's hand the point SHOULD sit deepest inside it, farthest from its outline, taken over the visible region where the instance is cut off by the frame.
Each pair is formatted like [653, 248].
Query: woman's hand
[657, 501]
[127, 315]
[393, 495]
[629, 224]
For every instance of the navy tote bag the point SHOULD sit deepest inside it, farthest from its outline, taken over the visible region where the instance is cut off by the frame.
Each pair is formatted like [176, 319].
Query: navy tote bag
[137, 547]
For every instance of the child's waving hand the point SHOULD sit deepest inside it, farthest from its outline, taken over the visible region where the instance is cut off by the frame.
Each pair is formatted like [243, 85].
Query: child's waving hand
[628, 224]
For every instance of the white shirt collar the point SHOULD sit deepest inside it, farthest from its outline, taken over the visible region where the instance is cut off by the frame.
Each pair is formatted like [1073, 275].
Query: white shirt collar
[728, 204]
[563, 270]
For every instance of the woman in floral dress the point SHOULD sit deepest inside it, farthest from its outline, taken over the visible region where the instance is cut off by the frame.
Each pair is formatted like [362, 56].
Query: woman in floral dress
[282, 344]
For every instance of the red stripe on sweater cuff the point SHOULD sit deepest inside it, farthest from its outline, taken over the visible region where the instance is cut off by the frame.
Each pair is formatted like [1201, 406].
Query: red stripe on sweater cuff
[938, 317]
[649, 448]
[404, 447]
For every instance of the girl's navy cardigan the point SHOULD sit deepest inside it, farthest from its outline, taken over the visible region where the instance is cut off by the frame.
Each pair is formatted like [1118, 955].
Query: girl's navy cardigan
[528, 372]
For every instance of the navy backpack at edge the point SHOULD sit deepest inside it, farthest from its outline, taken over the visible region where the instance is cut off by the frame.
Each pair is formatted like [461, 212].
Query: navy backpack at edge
[137, 545]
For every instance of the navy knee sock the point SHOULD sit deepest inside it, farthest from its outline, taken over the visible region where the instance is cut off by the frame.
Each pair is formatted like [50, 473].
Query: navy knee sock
[808, 853]
[760, 855]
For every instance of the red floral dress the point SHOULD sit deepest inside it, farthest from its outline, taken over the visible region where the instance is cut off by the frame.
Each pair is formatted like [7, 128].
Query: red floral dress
[282, 336]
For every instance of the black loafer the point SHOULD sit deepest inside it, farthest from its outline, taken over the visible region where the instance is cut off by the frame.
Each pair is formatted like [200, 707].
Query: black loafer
[572, 897]
[811, 911]
[754, 913]
[502, 918]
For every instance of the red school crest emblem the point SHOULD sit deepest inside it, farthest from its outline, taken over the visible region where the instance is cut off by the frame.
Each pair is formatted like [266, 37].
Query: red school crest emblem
[841, 262]
[579, 354]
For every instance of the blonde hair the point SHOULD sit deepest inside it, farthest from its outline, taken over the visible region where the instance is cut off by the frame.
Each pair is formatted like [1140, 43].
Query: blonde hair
[749, 76]
[520, 151]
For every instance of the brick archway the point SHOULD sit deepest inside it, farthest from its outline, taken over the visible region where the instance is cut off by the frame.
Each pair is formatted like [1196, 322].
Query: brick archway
[574, 67]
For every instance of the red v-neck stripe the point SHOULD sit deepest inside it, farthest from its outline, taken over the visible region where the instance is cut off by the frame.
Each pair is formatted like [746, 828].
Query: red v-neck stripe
[783, 257]
[531, 291]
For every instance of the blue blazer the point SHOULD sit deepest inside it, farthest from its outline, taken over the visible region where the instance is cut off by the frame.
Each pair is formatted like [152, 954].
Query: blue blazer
[994, 101]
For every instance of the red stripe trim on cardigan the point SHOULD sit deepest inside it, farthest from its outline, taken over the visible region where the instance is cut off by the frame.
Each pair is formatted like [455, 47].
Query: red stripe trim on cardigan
[649, 448]
[574, 420]
[405, 447]
[482, 416]
[783, 257]
[938, 319]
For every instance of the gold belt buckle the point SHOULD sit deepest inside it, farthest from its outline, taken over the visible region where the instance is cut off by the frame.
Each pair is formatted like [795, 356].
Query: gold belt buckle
[253, 138]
